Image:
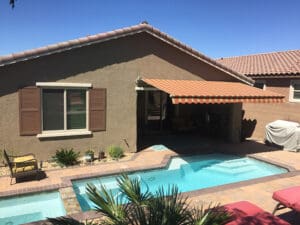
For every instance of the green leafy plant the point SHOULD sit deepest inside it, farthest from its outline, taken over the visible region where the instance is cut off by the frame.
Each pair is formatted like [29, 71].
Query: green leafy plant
[115, 152]
[66, 157]
[145, 208]
[90, 153]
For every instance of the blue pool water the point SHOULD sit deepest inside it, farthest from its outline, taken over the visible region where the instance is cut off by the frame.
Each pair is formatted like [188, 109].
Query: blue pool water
[188, 173]
[29, 208]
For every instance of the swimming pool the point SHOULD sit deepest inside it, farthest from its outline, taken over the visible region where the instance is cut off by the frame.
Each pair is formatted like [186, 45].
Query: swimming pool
[188, 173]
[28, 208]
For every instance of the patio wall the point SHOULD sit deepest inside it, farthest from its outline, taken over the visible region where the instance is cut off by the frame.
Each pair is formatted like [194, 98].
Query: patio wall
[266, 113]
[114, 65]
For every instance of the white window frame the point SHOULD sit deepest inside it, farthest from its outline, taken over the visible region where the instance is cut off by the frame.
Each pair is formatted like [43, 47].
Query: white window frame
[65, 132]
[261, 82]
[291, 95]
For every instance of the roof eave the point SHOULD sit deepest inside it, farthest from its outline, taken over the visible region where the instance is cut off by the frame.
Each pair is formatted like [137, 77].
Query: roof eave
[270, 76]
[62, 49]
[85, 41]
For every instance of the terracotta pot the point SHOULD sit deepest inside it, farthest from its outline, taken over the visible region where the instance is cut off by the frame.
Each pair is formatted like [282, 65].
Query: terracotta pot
[101, 155]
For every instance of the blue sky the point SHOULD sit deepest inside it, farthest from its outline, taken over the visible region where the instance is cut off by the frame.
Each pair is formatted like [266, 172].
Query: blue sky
[217, 28]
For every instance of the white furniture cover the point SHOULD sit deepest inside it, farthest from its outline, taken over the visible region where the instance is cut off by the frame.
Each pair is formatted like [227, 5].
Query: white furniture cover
[284, 133]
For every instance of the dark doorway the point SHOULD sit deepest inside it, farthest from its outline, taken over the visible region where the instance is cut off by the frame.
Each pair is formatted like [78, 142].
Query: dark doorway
[153, 110]
[158, 118]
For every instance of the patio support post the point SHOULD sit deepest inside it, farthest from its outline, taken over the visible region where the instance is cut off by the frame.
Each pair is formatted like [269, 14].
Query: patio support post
[235, 123]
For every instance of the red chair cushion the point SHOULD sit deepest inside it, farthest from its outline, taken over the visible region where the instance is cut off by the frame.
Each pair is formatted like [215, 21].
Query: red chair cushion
[246, 213]
[289, 197]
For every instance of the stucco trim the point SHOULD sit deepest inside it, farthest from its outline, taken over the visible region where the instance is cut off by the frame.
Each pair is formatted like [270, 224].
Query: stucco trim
[291, 91]
[66, 85]
[66, 133]
[146, 89]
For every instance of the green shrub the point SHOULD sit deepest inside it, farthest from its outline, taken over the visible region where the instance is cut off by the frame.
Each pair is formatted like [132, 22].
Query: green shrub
[91, 154]
[66, 157]
[115, 152]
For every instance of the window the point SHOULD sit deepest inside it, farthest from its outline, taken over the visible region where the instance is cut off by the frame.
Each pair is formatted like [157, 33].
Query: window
[260, 84]
[52, 109]
[64, 109]
[295, 91]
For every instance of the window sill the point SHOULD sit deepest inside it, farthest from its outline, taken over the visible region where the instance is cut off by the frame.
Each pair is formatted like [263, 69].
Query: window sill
[294, 100]
[64, 134]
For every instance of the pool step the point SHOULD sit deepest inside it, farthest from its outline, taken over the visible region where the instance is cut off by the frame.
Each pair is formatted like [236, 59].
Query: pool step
[192, 168]
[235, 163]
[231, 171]
[230, 167]
[234, 167]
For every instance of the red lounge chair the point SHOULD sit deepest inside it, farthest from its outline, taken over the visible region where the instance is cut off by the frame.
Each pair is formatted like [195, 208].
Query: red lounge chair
[287, 198]
[246, 213]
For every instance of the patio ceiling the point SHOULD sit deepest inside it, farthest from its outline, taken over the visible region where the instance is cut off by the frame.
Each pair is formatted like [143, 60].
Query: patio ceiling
[212, 92]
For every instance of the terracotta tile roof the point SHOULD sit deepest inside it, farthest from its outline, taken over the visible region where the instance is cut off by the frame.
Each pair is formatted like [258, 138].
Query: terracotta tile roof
[192, 91]
[266, 64]
[101, 37]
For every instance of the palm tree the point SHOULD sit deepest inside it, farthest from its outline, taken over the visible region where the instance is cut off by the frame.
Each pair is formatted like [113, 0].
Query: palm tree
[145, 208]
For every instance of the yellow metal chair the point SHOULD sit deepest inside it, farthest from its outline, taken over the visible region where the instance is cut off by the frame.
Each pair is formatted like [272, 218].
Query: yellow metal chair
[22, 166]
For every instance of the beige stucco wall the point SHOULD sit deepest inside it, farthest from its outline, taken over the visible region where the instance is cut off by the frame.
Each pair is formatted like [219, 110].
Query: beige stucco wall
[281, 86]
[266, 113]
[114, 65]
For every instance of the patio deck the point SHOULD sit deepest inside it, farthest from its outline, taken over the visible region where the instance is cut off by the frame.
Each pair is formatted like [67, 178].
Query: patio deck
[258, 191]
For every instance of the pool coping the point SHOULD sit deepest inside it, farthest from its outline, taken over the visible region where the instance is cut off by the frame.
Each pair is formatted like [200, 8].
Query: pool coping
[67, 181]
[64, 183]
[291, 171]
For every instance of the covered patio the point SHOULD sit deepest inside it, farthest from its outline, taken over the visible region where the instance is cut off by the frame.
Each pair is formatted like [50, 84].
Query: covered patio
[173, 108]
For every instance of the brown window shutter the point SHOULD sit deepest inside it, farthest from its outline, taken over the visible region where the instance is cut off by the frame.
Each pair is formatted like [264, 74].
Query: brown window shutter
[30, 110]
[97, 108]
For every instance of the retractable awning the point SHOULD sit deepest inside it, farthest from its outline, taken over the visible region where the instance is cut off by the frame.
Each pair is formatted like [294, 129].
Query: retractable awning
[212, 92]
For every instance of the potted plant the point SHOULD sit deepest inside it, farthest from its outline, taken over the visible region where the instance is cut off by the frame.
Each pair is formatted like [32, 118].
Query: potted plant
[101, 155]
[90, 155]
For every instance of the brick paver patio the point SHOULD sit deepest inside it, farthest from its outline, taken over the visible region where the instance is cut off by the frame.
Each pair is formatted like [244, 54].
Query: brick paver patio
[259, 192]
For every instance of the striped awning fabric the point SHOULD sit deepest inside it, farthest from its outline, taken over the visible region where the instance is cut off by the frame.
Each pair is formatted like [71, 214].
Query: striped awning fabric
[213, 92]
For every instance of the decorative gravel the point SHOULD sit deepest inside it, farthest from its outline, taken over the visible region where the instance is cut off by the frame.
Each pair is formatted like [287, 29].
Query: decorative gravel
[47, 165]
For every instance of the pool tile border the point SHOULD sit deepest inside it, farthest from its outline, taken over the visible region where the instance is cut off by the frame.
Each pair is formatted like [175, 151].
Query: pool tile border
[67, 181]
[260, 158]
[24, 191]
[239, 184]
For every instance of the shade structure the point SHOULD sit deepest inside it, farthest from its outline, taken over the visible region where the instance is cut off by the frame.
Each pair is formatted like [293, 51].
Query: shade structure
[213, 92]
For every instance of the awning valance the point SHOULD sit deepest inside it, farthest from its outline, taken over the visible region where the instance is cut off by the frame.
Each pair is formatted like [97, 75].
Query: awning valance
[212, 92]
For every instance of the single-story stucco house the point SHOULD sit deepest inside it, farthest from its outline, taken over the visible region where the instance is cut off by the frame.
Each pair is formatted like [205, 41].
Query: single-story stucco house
[117, 88]
[278, 72]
